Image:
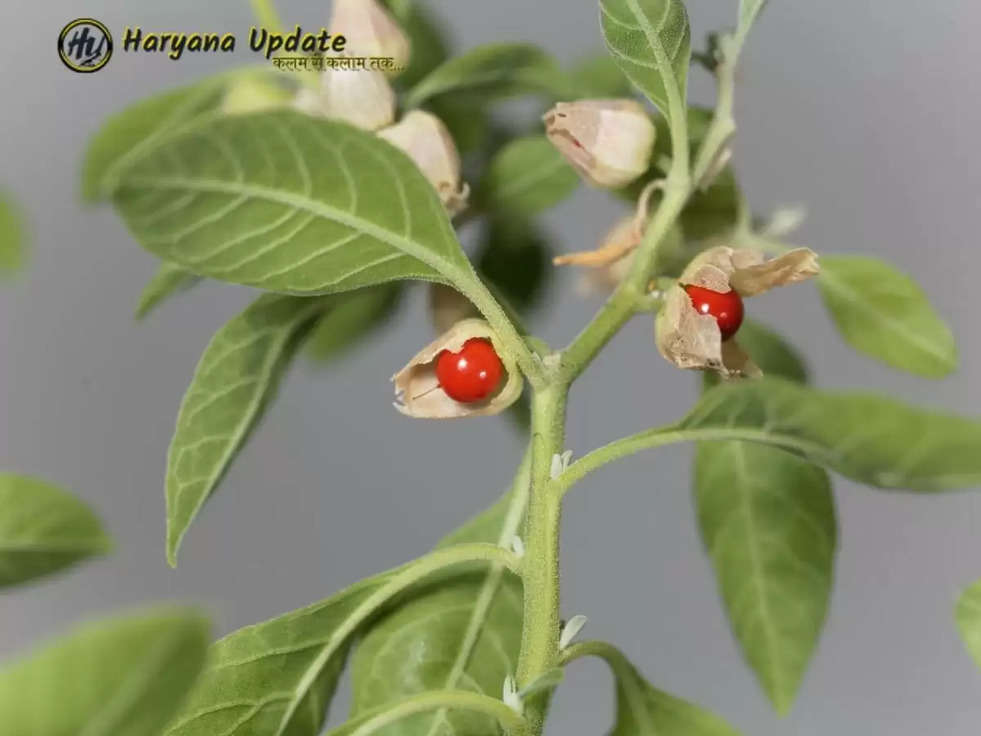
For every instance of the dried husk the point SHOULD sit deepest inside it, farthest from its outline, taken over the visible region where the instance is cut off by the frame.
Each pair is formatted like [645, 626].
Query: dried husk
[692, 340]
[427, 141]
[447, 306]
[747, 271]
[417, 390]
[370, 31]
[608, 141]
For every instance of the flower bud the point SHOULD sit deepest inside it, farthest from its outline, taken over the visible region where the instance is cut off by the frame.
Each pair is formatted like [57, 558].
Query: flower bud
[693, 340]
[361, 97]
[253, 95]
[609, 142]
[419, 394]
[370, 30]
[309, 101]
[429, 144]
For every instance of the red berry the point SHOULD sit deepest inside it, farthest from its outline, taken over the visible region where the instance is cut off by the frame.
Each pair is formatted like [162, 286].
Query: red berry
[471, 374]
[727, 308]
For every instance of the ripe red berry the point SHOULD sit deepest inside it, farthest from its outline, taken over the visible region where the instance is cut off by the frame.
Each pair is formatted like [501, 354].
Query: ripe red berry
[471, 374]
[727, 308]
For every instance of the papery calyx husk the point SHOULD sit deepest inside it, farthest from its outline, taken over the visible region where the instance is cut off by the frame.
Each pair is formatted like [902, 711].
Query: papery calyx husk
[417, 390]
[692, 340]
[424, 138]
[447, 306]
[362, 97]
[370, 30]
[608, 141]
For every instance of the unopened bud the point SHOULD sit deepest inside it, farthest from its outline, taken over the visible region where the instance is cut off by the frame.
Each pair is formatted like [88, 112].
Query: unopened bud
[609, 142]
[429, 144]
[370, 30]
[361, 97]
[253, 95]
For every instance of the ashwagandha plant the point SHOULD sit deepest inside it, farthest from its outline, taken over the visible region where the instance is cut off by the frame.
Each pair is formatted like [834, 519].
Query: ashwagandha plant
[329, 191]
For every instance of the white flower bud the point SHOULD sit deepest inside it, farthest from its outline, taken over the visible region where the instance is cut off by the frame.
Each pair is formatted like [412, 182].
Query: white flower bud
[609, 142]
[253, 95]
[361, 97]
[370, 30]
[426, 140]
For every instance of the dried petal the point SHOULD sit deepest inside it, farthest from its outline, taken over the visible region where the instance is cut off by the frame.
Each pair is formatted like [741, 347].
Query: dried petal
[370, 30]
[417, 390]
[796, 265]
[693, 341]
[361, 97]
[609, 142]
[426, 140]
[617, 243]
[745, 269]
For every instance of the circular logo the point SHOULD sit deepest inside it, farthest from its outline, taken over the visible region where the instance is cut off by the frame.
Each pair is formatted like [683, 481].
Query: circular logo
[85, 45]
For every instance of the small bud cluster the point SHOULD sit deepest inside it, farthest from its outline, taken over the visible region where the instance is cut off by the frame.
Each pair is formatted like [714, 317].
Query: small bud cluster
[365, 98]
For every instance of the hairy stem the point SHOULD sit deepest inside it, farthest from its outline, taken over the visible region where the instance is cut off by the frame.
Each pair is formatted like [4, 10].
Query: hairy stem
[436, 700]
[540, 571]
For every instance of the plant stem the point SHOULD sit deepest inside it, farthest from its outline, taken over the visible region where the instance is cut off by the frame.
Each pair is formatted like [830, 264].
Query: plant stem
[436, 700]
[540, 571]
[623, 303]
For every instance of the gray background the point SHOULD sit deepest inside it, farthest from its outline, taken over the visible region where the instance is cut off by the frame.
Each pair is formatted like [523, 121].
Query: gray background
[867, 111]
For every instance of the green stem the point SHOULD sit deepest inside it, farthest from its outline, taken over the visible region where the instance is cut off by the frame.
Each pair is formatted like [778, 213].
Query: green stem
[497, 318]
[436, 700]
[607, 652]
[265, 12]
[659, 437]
[624, 302]
[540, 573]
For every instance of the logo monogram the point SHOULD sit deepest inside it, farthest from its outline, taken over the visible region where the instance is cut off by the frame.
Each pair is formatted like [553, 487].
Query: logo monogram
[85, 45]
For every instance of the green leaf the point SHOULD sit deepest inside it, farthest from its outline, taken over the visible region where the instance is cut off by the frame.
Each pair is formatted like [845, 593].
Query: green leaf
[771, 352]
[462, 634]
[287, 202]
[767, 519]
[466, 116]
[643, 710]
[870, 438]
[494, 70]
[426, 36]
[881, 312]
[120, 677]
[278, 677]
[526, 177]
[43, 529]
[651, 42]
[352, 318]
[136, 131]
[768, 522]
[514, 257]
[235, 381]
[749, 10]
[968, 616]
[13, 238]
[599, 76]
[169, 279]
